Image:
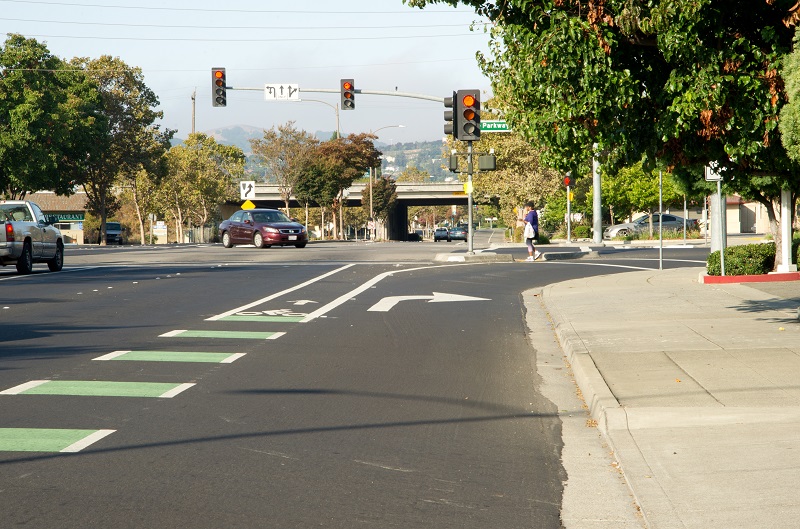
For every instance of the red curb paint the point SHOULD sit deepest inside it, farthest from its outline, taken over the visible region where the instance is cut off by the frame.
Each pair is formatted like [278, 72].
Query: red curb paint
[760, 278]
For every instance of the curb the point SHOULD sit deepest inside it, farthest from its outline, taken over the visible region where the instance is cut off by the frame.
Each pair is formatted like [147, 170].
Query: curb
[706, 279]
[484, 257]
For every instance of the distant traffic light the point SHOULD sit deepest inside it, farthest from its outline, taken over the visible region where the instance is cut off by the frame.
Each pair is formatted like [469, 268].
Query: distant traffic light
[219, 97]
[568, 181]
[348, 90]
[449, 118]
[468, 115]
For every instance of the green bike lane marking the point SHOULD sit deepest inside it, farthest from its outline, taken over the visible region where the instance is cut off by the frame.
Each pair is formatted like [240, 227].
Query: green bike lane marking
[251, 335]
[48, 439]
[172, 356]
[97, 388]
[239, 317]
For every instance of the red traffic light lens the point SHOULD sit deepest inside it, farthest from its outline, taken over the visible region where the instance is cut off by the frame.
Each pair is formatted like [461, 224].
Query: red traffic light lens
[567, 181]
[347, 86]
[469, 101]
[219, 74]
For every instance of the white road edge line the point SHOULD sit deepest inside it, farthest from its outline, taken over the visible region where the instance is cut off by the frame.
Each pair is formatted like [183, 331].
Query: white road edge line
[277, 294]
[16, 390]
[88, 440]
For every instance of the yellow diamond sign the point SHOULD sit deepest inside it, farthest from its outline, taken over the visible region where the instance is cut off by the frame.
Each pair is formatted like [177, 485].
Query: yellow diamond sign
[248, 205]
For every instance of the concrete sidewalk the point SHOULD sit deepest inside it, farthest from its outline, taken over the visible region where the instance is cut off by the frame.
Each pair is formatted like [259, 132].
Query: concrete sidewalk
[697, 389]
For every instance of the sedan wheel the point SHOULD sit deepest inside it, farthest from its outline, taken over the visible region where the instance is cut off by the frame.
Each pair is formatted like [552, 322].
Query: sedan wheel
[226, 240]
[258, 240]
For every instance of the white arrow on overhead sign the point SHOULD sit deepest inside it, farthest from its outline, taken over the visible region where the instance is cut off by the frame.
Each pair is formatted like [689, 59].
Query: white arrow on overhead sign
[386, 304]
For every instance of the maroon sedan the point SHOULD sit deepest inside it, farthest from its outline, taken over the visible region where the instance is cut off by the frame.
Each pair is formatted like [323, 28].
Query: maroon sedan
[262, 228]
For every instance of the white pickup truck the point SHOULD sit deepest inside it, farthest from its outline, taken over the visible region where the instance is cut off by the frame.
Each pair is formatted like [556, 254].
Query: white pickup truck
[28, 236]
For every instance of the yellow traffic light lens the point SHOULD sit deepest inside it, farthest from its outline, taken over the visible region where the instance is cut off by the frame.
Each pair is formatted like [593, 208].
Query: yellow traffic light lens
[469, 101]
[469, 114]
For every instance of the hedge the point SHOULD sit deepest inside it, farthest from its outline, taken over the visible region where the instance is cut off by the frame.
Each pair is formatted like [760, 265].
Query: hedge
[747, 259]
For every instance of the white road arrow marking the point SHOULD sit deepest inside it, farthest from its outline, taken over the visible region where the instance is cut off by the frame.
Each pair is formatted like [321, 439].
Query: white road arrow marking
[301, 301]
[386, 304]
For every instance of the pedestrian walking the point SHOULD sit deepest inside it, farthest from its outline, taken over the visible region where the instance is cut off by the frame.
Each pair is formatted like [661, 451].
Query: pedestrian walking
[531, 232]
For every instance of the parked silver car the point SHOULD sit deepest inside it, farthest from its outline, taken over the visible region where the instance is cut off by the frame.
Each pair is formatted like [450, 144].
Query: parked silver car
[642, 224]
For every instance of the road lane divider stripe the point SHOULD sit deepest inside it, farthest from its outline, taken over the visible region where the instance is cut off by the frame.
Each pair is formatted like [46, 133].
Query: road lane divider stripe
[99, 388]
[172, 356]
[48, 439]
[278, 294]
[248, 335]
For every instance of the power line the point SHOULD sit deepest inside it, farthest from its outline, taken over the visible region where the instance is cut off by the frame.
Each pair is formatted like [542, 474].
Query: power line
[217, 40]
[217, 26]
[203, 10]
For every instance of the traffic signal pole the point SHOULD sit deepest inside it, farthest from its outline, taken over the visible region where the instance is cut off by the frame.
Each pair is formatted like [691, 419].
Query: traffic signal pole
[470, 233]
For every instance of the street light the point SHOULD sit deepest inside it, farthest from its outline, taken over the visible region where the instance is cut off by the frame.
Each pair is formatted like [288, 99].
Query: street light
[371, 209]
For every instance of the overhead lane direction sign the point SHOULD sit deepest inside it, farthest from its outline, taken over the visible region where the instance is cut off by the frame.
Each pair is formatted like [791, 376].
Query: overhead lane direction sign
[494, 125]
[387, 303]
[282, 92]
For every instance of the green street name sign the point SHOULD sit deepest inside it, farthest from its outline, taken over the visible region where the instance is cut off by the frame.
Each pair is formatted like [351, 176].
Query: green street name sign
[494, 125]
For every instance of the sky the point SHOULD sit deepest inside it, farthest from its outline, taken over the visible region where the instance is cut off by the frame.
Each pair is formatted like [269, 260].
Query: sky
[384, 45]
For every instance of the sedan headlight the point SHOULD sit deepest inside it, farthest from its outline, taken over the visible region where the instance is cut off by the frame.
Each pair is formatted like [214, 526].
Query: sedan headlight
[270, 229]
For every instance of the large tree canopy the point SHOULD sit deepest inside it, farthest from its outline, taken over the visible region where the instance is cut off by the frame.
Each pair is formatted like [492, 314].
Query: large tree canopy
[51, 120]
[686, 82]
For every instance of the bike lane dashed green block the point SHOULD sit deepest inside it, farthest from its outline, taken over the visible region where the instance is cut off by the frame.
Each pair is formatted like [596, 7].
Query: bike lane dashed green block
[248, 335]
[95, 388]
[172, 356]
[48, 439]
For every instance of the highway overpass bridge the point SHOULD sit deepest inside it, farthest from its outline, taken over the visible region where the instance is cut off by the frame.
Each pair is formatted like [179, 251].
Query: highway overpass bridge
[408, 194]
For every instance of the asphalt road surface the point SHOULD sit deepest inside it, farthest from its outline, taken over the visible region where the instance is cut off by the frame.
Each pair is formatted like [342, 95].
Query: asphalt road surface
[341, 385]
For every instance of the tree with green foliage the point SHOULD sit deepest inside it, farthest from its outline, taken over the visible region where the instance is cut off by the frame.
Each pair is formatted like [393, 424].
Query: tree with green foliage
[346, 160]
[384, 198]
[412, 174]
[134, 140]
[686, 82]
[51, 120]
[202, 175]
[283, 152]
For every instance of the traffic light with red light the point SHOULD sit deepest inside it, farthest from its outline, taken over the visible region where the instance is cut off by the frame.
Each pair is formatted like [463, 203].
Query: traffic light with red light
[219, 97]
[568, 181]
[348, 91]
[450, 122]
[468, 115]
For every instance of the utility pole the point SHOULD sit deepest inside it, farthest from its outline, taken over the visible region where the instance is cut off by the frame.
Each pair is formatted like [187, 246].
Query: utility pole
[194, 107]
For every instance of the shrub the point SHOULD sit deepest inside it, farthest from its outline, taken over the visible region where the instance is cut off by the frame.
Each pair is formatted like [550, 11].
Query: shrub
[414, 237]
[582, 231]
[747, 259]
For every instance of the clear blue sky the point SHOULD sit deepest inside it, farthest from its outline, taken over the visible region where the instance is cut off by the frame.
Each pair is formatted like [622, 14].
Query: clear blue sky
[382, 44]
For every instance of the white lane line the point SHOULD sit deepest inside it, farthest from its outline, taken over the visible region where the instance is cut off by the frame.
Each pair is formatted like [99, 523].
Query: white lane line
[276, 335]
[278, 294]
[111, 356]
[176, 390]
[88, 440]
[16, 390]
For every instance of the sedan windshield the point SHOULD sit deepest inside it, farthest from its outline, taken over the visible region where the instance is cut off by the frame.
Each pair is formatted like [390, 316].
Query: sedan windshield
[270, 216]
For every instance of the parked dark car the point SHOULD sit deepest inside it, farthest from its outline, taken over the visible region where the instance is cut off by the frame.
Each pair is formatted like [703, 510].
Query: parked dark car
[441, 234]
[459, 233]
[262, 228]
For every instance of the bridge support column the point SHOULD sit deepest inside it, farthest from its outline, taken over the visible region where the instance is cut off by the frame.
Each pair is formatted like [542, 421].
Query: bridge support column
[397, 226]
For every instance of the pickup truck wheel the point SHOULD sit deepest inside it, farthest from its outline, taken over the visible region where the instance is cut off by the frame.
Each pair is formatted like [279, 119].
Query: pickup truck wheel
[57, 262]
[226, 240]
[25, 261]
